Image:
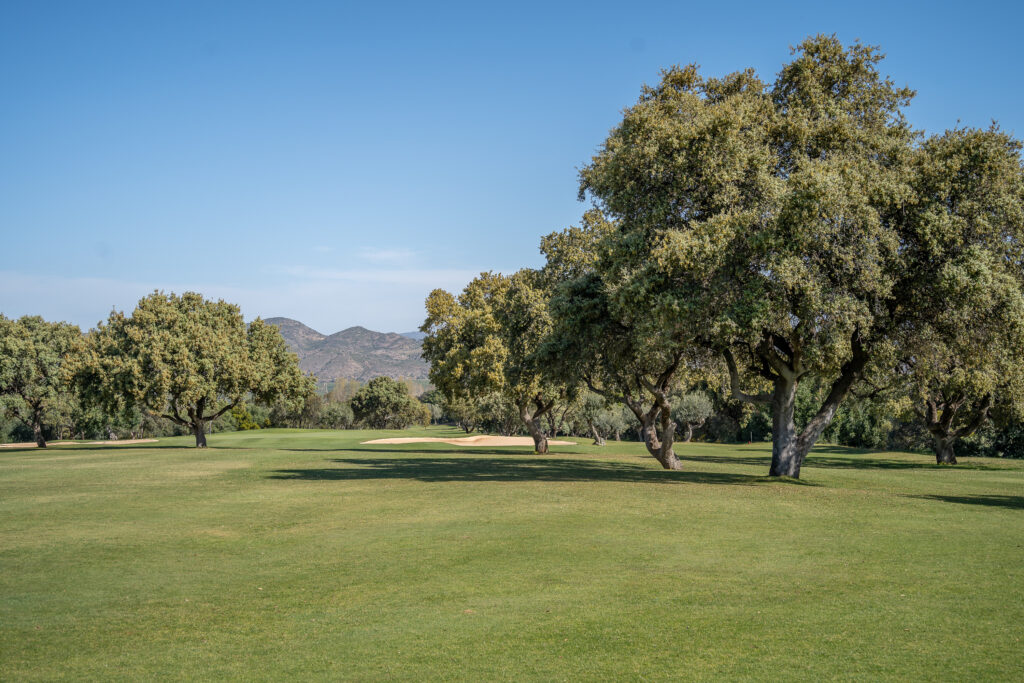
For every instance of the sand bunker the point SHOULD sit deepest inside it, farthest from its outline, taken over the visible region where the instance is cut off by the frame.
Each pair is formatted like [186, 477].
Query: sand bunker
[32, 444]
[473, 441]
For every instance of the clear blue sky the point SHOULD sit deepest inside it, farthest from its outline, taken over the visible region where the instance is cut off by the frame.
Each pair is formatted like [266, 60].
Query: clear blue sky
[333, 162]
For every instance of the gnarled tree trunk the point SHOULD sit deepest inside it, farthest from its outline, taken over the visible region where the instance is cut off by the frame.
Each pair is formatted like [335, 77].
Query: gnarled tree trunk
[782, 361]
[199, 430]
[939, 419]
[532, 419]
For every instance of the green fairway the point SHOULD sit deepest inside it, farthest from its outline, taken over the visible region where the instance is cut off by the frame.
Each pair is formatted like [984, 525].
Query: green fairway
[304, 554]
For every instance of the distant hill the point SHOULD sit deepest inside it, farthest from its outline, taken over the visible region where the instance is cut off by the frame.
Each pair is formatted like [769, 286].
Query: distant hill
[418, 336]
[355, 353]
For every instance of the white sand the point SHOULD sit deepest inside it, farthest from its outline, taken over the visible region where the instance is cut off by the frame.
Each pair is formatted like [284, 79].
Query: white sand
[473, 441]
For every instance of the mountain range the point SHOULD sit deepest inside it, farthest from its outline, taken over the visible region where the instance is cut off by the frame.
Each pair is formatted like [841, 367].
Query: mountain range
[355, 353]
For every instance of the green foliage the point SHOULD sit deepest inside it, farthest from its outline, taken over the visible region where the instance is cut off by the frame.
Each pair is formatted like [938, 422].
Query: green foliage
[34, 361]
[384, 403]
[244, 420]
[692, 408]
[187, 359]
[337, 416]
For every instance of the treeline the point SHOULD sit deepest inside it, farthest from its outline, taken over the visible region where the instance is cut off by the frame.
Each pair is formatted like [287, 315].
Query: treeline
[794, 249]
[176, 365]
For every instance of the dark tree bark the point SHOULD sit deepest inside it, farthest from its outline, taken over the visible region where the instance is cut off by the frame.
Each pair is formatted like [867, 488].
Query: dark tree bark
[781, 361]
[199, 430]
[939, 416]
[532, 419]
[37, 433]
[197, 419]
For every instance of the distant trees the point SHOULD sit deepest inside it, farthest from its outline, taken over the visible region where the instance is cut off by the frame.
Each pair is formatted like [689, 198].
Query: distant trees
[690, 411]
[187, 359]
[385, 403]
[34, 355]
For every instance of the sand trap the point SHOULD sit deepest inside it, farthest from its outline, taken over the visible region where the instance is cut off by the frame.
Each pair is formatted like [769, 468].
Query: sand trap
[32, 444]
[473, 441]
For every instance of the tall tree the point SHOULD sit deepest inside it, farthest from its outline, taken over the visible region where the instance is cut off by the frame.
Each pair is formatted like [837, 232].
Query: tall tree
[963, 330]
[776, 222]
[605, 334]
[487, 339]
[188, 360]
[34, 356]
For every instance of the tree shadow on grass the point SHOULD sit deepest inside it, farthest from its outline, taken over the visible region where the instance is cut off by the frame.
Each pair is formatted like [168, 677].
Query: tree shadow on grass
[504, 469]
[1010, 502]
[857, 459]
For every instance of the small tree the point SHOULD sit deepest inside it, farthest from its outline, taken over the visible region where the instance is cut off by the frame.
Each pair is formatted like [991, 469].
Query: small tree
[690, 411]
[384, 403]
[34, 356]
[187, 359]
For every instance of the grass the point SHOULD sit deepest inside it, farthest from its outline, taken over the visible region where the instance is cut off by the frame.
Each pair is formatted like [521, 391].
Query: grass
[290, 554]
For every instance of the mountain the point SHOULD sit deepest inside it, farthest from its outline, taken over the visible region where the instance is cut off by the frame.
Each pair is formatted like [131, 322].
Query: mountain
[417, 335]
[355, 353]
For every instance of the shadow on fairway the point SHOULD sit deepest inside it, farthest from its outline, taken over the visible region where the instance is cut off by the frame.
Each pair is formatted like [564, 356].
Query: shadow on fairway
[856, 460]
[504, 469]
[1011, 502]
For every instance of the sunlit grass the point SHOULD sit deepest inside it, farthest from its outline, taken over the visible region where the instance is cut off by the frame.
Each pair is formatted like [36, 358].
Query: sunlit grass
[298, 554]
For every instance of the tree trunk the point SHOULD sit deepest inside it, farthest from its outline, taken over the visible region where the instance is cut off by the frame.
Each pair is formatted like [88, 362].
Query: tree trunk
[598, 439]
[944, 454]
[199, 429]
[540, 439]
[688, 434]
[786, 456]
[666, 456]
[37, 433]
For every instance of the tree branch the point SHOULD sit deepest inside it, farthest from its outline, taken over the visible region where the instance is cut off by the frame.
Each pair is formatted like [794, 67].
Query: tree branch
[734, 383]
[979, 418]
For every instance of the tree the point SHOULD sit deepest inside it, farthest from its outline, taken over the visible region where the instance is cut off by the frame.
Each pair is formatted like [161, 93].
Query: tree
[34, 356]
[785, 225]
[603, 335]
[690, 411]
[487, 340]
[384, 403]
[964, 345]
[187, 359]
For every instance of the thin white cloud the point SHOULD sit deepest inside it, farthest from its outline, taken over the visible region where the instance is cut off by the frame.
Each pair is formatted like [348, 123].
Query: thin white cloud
[386, 256]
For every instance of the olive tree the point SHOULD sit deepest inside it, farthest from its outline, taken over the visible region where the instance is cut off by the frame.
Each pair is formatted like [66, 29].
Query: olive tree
[188, 360]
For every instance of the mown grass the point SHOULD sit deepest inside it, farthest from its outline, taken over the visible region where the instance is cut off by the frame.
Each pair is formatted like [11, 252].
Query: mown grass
[288, 554]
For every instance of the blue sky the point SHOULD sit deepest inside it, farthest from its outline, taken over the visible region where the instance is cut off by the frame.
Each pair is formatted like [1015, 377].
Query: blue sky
[333, 162]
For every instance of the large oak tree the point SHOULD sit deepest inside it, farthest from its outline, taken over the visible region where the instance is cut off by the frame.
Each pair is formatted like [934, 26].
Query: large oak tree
[188, 360]
[777, 224]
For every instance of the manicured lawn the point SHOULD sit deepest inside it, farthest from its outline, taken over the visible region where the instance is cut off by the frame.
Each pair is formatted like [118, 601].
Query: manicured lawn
[306, 555]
